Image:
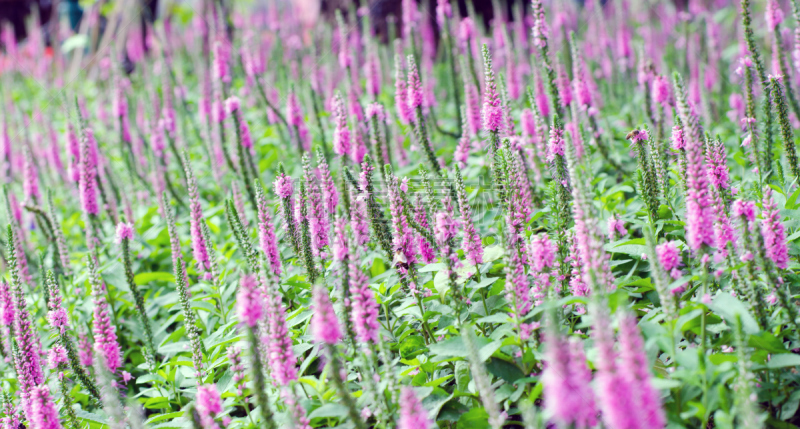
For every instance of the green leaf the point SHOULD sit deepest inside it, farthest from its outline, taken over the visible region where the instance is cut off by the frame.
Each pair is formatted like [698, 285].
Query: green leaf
[455, 347]
[729, 307]
[160, 417]
[435, 401]
[145, 278]
[412, 346]
[633, 248]
[767, 342]
[475, 418]
[783, 360]
[331, 409]
[492, 253]
[85, 415]
[504, 369]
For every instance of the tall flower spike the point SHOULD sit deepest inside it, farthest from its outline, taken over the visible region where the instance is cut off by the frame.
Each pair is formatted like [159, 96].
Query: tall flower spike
[249, 301]
[27, 363]
[266, 233]
[566, 381]
[44, 414]
[492, 109]
[414, 85]
[104, 332]
[415, 106]
[294, 115]
[426, 249]
[319, 224]
[787, 132]
[124, 237]
[412, 414]
[184, 294]
[59, 320]
[30, 184]
[88, 175]
[324, 323]
[329, 193]
[341, 134]
[199, 245]
[401, 92]
[773, 231]
[284, 189]
[60, 240]
[209, 405]
[616, 395]
[364, 315]
[472, 101]
[250, 309]
[280, 353]
[634, 359]
[473, 248]
[403, 237]
[699, 213]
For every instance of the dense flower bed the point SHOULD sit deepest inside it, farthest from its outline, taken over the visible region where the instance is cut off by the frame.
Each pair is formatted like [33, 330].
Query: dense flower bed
[574, 217]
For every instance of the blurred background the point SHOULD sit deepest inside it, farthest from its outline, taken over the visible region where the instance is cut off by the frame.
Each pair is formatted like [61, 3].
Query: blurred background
[15, 15]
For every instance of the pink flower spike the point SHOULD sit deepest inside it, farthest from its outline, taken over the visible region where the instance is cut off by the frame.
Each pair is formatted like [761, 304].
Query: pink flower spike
[773, 231]
[249, 301]
[412, 414]
[124, 231]
[44, 414]
[324, 323]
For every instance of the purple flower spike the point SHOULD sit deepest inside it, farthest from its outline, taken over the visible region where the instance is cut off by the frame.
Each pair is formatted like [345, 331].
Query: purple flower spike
[324, 323]
[249, 302]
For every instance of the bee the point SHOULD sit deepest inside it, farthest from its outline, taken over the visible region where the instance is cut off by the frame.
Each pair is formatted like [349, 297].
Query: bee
[633, 135]
[400, 259]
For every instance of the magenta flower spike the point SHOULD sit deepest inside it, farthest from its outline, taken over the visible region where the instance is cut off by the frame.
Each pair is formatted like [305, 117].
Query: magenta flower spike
[359, 223]
[294, 114]
[199, 244]
[566, 379]
[472, 105]
[634, 361]
[401, 92]
[372, 70]
[280, 354]
[44, 414]
[415, 96]
[249, 301]
[773, 232]
[492, 107]
[426, 249]
[773, 14]
[30, 182]
[543, 252]
[233, 107]
[616, 394]
[88, 174]
[330, 195]
[85, 350]
[104, 332]
[699, 212]
[57, 315]
[669, 256]
[209, 405]
[57, 356]
[403, 237]
[266, 232]
[341, 134]
[324, 323]
[412, 414]
[364, 313]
